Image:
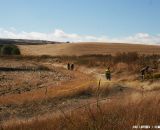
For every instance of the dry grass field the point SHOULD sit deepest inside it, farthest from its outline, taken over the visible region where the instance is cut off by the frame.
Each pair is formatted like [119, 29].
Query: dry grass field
[78, 49]
[39, 93]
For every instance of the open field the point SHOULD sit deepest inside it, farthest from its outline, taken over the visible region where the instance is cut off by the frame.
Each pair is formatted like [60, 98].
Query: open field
[79, 64]
[38, 92]
[87, 49]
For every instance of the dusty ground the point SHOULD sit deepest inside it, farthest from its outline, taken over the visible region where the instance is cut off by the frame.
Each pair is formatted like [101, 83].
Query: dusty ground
[28, 76]
[29, 90]
[86, 49]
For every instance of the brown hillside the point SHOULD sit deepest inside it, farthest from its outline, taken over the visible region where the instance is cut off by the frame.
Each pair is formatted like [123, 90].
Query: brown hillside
[87, 48]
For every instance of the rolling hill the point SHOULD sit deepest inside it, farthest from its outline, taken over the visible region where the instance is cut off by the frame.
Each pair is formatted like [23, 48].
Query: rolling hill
[78, 49]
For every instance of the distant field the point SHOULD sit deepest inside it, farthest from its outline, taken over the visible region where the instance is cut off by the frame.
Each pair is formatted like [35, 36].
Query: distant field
[87, 48]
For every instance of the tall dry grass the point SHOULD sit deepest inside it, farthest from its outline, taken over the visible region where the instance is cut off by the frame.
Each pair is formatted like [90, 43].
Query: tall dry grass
[133, 60]
[116, 115]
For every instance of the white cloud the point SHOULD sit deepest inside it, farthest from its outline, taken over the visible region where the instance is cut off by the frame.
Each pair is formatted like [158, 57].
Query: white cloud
[60, 35]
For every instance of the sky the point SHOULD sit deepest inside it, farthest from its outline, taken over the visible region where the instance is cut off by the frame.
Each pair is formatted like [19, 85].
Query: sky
[133, 21]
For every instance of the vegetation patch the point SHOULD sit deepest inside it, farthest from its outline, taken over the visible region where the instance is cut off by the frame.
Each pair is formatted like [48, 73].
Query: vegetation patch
[111, 116]
[9, 50]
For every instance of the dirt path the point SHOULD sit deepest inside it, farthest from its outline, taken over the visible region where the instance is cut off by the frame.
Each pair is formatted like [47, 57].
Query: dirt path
[126, 82]
[94, 72]
[82, 69]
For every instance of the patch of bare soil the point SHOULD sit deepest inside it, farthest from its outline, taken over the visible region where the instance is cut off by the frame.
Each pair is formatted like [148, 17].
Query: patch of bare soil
[17, 77]
[18, 82]
[20, 77]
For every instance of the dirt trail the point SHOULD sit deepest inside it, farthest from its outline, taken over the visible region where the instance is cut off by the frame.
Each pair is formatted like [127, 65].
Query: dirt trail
[85, 70]
[120, 82]
[94, 72]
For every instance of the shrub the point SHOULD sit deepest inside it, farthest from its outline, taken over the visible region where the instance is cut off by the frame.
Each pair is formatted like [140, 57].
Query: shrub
[1, 46]
[6, 50]
[9, 50]
[16, 51]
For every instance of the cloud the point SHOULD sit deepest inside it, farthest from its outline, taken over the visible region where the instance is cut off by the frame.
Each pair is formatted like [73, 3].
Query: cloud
[60, 35]
[143, 38]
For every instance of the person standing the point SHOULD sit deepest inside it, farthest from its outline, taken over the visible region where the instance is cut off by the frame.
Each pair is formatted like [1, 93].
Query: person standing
[72, 66]
[68, 66]
[143, 73]
[108, 73]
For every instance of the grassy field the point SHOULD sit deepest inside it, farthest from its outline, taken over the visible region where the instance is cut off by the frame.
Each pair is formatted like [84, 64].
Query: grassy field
[39, 93]
[86, 49]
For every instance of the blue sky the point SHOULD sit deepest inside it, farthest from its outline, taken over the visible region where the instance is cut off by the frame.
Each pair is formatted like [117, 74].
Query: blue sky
[103, 19]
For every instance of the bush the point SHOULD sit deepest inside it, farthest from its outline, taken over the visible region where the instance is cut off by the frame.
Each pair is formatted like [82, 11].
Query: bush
[9, 50]
[16, 51]
[1, 46]
[6, 50]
